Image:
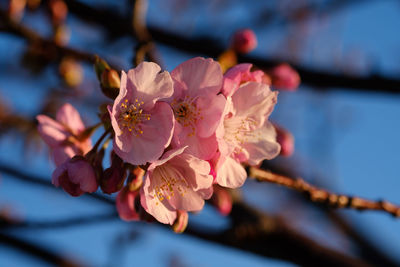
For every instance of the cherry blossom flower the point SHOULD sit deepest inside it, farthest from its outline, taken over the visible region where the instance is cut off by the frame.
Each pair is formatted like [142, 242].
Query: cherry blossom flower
[143, 125]
[64, 135]
[178, 181]
[126, 206]
[76, 176]
[244, 41]
[245, 135]
[197, 106]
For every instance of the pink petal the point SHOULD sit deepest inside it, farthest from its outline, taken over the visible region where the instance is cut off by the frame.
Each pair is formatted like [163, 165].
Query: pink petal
[52, 132]
[61, 154]
[125, 203]
[70, 118]
[57, 173]
[199, 76]
[149, 146]
[262, 144]
[202, 148]
[212, 107]
[149, 84]
[254, 100]
[231, 174]
[162, 211]
[82, 173]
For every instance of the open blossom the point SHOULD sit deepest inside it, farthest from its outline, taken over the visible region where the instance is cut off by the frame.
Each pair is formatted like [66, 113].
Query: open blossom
[178, 181]
[245, 135]
[64, 135]
[197, 106]
[76, 176]
[240, 74]
[143, 125]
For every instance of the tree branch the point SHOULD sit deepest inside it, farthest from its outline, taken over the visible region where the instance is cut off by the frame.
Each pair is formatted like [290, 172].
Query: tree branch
[322, 196]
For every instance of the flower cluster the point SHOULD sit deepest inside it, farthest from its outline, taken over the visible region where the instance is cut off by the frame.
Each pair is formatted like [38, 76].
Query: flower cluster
[176, 136]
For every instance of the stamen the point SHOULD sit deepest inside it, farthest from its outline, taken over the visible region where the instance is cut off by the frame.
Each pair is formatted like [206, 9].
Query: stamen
[187, 113]
[131, 116]
[168, 182]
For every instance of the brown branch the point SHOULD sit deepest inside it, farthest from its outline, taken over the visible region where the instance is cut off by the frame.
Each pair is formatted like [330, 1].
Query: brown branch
[37, 251]
[319, 195]
[118, 26]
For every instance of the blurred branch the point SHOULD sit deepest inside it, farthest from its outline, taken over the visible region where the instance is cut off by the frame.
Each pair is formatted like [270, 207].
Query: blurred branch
[37, 251]
[322, 196]
[53, 50]
[116, 25]
[9, 223]
[251, 231]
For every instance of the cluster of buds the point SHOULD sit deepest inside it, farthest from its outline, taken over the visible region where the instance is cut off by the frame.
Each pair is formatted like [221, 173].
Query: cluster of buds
[178, 138]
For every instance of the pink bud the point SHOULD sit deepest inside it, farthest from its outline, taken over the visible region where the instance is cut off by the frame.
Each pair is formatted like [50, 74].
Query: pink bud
[181, 222]
[222, 200]
[128, 203]
[285, 77]
[76, 176]
[244, 41]
[113, 178]
[286, 140]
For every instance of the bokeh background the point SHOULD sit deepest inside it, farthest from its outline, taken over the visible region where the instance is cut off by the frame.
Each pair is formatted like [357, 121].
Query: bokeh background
[346, 140]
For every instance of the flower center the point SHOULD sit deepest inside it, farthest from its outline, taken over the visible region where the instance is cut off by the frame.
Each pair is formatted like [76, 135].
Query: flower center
[131, 116]
[187, 113]
[168, 181]
[239, 130]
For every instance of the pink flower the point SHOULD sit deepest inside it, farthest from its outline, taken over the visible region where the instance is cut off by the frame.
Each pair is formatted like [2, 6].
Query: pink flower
[285, 77]
[178, 181]
[222, 200]
[245, 135]
[143, 125]
[126, 202]
[238, 75]
[64, 135]
[244, 41]
[76, 176]
[197, 106]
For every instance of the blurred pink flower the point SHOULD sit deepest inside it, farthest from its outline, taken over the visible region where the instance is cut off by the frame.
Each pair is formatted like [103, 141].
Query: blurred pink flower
[143, 125]
[245, 135]
[197, 106]
[244, 41]
[285, 77]
[238, 75]
[64, 135]
[286, 140]
[178, 181]
[76, 176]
[126, 206]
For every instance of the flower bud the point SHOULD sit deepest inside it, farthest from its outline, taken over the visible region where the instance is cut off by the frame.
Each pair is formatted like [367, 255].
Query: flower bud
[286, 140]
[128, 204]
[61, 35]
[16, 9]
[181, 222]
[110, 83]
[76, 176]
[99, 66]
[222, 200]
[58, 10]
[285, 77]
[244, 41]
[71, 71]
[136, 179]
[113, 178]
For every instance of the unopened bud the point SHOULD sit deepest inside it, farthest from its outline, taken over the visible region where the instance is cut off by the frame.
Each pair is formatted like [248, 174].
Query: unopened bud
[16, 9]
[110, 83]
[181, 222]
[222, 200]
[99, 66]
[61, 34]
[135, 179]
[113, 178]
[59, 11]
[285, 77]
[71, 71]
[286, 140]
[127, 203]
[244, 41]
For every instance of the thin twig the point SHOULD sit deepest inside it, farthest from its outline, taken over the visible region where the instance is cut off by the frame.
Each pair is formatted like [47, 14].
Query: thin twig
[319, 195]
